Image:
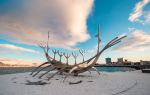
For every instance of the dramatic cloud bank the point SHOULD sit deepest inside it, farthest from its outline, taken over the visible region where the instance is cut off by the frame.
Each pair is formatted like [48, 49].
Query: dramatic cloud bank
[13, 47]
[28, 21]
[138, 15]
[138, 41]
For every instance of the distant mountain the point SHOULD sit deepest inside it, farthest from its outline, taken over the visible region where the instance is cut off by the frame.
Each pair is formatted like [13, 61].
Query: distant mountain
[3, 64]
[13, 65]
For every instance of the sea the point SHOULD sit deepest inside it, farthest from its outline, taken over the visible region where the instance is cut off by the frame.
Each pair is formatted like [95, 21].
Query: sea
[12, 70]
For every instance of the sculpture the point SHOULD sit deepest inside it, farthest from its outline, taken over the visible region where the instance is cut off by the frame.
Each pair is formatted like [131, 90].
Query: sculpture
[77, 68]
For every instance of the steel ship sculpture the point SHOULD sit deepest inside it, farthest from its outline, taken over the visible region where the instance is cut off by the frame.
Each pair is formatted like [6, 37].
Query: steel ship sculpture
[65, 68]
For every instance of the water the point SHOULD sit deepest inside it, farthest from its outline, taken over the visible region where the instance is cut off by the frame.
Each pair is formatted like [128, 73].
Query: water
[12, 70]
[114, 69]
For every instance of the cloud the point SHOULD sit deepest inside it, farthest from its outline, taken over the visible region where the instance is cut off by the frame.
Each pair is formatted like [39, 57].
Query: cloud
[131, 29]
[18, 61]
[138, 41]
[138, 15]
[94, 49]
[16, 48]
[28, 21]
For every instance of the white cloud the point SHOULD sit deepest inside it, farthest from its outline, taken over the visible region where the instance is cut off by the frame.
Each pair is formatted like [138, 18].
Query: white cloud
[65, 19]
[138, 15]
[18, 61]
[94, 49]
[131, 29]
[147, 17]
[138, 41]
[13, 47]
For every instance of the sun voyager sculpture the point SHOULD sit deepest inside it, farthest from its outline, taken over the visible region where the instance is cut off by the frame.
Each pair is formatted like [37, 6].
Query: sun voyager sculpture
[65, 68]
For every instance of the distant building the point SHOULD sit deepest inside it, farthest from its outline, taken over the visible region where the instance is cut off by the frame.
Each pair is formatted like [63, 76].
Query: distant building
[136, 63]
[144, 62]
[120, 61]
[126, 62]
[108, 61]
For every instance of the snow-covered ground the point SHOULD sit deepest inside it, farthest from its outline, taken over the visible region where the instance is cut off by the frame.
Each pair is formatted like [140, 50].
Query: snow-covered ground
[117, 83]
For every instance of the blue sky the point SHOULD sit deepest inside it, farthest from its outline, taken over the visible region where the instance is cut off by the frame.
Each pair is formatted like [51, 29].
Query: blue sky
[72, 26]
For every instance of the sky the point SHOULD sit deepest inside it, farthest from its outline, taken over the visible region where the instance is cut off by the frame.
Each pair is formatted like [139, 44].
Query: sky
[72, 25]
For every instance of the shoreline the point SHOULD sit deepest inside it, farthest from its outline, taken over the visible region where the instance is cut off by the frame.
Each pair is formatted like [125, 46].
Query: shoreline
[12, 70]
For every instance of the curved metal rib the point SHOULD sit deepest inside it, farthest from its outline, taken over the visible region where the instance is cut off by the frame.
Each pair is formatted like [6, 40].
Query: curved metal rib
[41, 70]
[96, 70]
[47, 72]
[39, 67]
[60, 71]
